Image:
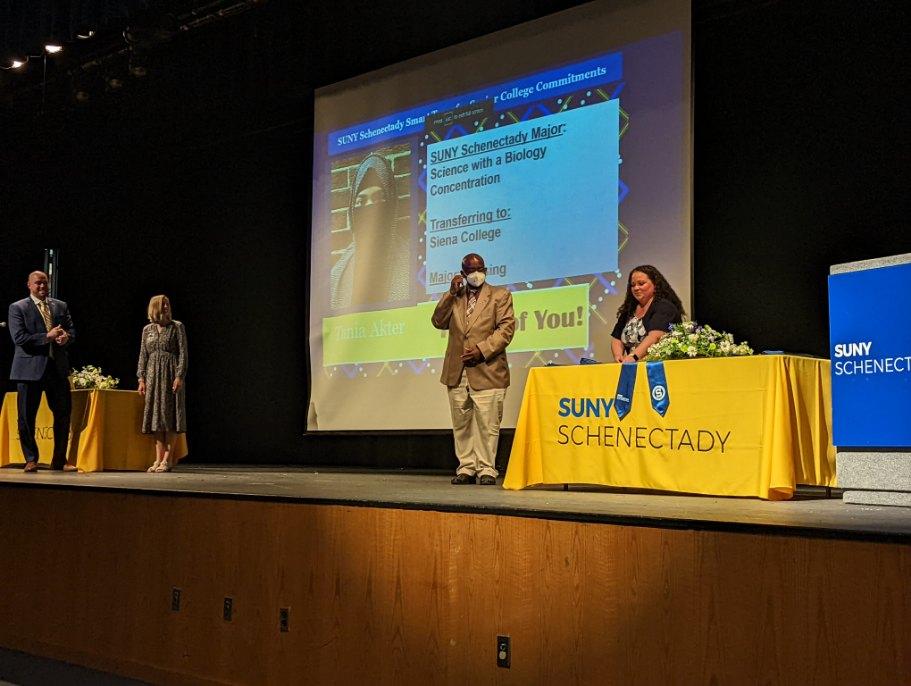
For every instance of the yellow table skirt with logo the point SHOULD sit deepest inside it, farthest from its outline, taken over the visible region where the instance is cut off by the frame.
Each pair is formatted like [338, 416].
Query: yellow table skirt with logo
[104, 432]
[738, 426]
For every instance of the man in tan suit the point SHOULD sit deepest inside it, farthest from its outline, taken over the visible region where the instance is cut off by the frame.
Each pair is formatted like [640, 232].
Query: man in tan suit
[481, 323]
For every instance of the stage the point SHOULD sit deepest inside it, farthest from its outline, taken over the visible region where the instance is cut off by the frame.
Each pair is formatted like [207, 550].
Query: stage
[260, 575]
[810, 513]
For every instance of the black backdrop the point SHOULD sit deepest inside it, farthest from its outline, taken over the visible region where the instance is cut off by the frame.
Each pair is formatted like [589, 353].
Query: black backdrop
[195, 181]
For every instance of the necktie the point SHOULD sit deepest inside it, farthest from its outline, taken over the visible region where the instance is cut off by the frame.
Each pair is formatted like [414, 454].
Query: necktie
[472, 300]
[45, 314]
[48, 322]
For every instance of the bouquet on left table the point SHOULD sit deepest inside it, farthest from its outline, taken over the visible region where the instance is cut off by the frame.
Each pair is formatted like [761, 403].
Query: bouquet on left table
[90, 377]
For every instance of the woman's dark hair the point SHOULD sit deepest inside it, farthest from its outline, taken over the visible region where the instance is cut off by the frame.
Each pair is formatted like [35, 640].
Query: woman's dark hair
[663, 291]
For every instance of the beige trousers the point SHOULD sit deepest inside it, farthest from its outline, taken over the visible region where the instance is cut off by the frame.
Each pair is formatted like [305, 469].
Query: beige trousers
[476, 417]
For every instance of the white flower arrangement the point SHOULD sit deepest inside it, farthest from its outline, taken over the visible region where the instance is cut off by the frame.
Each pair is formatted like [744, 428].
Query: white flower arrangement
[689, 339]
[92, 377]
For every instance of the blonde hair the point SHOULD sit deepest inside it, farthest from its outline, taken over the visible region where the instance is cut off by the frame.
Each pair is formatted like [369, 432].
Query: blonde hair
[156, 305]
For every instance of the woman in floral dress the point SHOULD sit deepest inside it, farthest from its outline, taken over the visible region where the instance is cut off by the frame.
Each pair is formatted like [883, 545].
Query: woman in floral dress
[161, 371]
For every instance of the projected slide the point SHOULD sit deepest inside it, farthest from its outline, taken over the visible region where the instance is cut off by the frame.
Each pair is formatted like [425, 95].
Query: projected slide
[505, 189]
[562, 178]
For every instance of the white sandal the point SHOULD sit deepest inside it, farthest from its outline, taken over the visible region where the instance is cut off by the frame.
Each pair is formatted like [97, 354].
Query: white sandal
[154, 467]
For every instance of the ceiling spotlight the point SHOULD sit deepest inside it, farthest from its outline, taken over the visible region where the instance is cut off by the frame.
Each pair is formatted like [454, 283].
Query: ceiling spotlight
[132, 35]
[84, 33]
[115, 83]
[13, 61]
[138, 71]
[81, 96]
[53, 48]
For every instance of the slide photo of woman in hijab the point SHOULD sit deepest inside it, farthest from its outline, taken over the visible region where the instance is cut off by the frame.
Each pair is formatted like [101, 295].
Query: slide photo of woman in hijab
[371, 227]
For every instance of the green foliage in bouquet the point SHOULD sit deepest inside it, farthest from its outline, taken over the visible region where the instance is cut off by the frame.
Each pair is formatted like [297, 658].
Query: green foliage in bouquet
[92, 377]
[690, 339]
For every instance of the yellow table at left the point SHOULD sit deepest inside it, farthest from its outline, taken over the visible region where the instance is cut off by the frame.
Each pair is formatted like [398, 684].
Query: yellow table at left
[104, 433]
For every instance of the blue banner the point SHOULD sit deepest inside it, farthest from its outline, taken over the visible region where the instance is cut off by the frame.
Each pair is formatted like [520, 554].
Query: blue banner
[871, 358]
[623, 401]
[657, 387]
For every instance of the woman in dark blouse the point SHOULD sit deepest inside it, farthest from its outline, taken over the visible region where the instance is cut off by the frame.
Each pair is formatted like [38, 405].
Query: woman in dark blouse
[649, 308]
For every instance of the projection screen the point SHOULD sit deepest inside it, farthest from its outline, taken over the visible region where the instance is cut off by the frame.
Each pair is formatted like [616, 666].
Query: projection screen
[560, 150]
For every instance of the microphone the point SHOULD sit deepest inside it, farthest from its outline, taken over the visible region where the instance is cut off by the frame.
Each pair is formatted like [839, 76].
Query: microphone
[2, 325]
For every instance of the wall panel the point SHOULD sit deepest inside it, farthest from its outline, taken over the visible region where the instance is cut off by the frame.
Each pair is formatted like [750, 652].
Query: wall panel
[406, 596]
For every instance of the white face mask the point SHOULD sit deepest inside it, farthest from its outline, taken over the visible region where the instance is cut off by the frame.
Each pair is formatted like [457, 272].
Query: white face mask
[475, 279]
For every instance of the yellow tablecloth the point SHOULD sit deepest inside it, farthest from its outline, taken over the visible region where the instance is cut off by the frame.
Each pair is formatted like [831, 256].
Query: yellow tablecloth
[104, 433]
[748, 426]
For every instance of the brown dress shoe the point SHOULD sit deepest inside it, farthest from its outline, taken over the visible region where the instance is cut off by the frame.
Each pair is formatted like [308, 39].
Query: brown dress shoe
[64, 468]
[463, 479]
[31, 467]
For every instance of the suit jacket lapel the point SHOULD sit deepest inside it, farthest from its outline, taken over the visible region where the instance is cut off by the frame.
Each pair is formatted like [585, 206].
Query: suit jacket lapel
[36, 321]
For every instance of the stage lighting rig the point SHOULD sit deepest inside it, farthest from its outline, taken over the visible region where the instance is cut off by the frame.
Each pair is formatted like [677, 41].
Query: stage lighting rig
[19, 62]
[14, 62]
[128, 50]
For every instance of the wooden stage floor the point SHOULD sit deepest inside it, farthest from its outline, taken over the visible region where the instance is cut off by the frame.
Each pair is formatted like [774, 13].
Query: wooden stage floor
[811, 513]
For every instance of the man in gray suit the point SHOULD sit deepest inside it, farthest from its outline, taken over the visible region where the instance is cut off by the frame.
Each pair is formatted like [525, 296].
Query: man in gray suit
[42, 330]
[481, 323]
